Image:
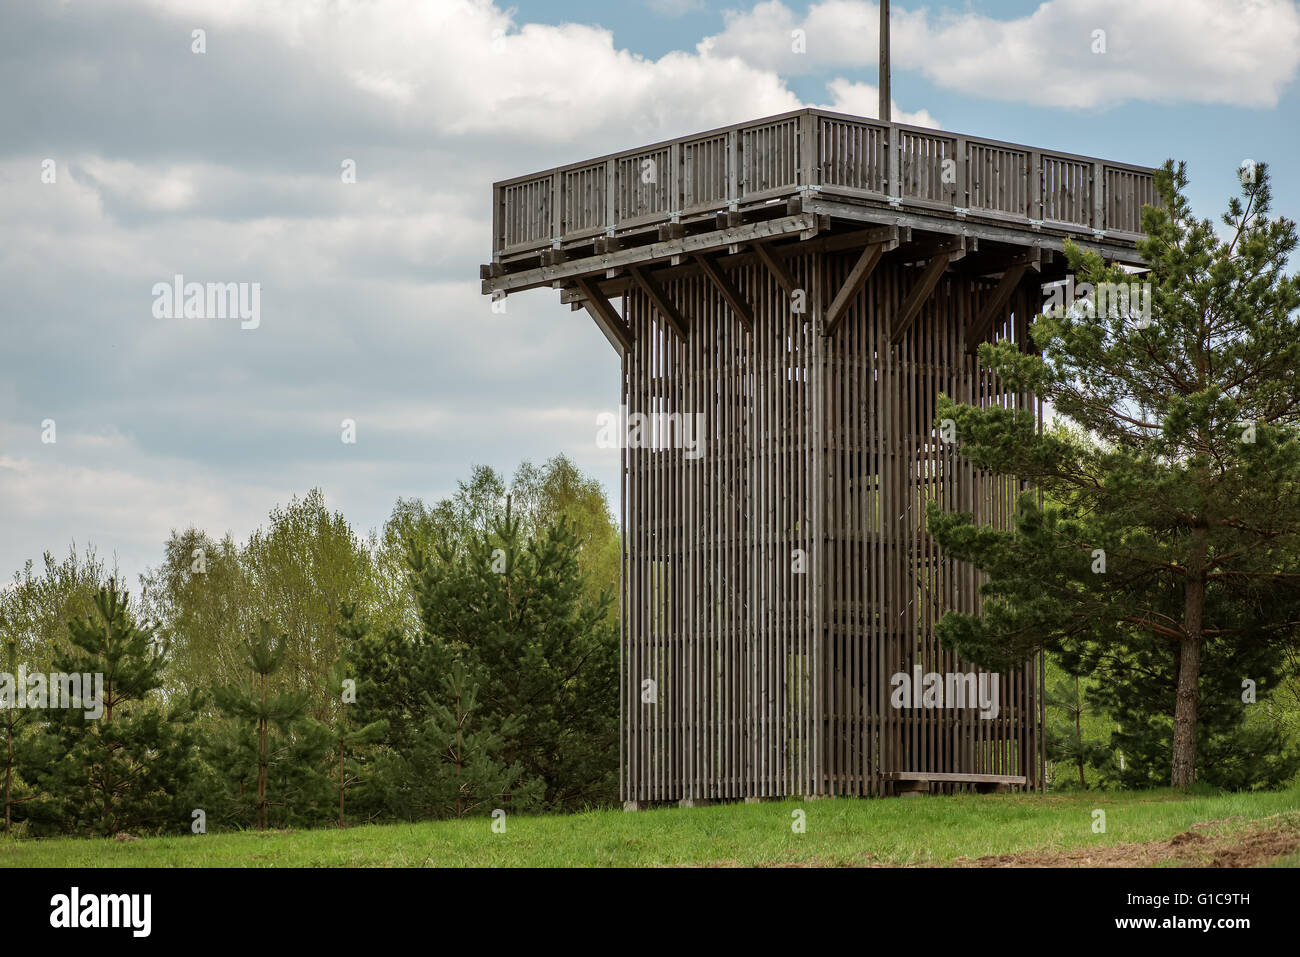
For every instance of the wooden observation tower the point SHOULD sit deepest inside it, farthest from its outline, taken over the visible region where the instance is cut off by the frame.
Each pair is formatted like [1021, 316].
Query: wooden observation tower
[802, 288]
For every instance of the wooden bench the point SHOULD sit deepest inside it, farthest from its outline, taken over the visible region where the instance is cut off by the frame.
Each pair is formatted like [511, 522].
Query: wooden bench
[914, 783]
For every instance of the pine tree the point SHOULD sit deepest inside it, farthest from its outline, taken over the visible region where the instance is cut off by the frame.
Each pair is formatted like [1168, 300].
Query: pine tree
[230, 773]
[466, 771]
[1173, 470]
[263, 708]
[512, 609]
[1066, 741]
[14, 723]
[122, 770]
[1134, 683]
[347, 735]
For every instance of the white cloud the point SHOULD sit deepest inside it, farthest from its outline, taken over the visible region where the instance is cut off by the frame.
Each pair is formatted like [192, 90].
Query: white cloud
[166, 190]
[1240, 52]
[466, 68]
[370, 300]
[863, 99]
[129, 509]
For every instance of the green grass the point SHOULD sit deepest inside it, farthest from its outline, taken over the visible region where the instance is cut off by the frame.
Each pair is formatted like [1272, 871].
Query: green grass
[930, 830]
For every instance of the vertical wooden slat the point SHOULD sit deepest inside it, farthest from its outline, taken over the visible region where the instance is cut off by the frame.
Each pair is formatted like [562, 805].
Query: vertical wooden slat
[773, 683]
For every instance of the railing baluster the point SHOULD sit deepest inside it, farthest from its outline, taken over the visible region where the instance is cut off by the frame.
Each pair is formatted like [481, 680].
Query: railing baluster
[1098, 197]
[1035, 190]
[959, 157]
[734, 166]
[894, 187]
[557, 205]
[611, 199]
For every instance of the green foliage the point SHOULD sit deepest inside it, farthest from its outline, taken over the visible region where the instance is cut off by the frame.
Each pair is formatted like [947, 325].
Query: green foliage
[15, 726]
[506, 613]
[557, 491]
[542, 495]
[1068, 742]
[1133, 682]
[262, 711]
[1165, 559]
[35, 608]
[481, 673]
[296, 572]
[458, 766]
[349, 740]
[200, 595]
[122, 770]
[511, 608]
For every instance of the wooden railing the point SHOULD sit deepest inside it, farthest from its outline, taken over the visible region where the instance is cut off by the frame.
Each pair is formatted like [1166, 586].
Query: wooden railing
[817, 150]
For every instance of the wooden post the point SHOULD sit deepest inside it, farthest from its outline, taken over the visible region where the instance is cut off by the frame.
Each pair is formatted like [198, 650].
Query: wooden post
[817, 526]
[808, 158]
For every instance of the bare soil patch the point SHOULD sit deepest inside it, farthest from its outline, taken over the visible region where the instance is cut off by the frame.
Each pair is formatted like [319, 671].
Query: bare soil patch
[1223, 843]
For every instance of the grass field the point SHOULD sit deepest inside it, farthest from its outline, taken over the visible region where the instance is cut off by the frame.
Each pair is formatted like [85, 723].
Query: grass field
[1153, 828]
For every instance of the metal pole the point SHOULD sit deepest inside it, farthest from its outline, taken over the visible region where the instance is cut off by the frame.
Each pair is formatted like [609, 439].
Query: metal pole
[886, 112]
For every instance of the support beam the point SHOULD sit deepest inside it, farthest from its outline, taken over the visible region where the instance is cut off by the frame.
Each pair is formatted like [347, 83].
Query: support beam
[822, 225]
[697, 243]
[911, 306]
[926, 250]
[727, 219]
[995, 307]
[857, 278]
[893, 235]
[664, 273]
[728, 291]
[994, 263]
[1050, 237]
[655, 293]
[607, 318]
[778, 271]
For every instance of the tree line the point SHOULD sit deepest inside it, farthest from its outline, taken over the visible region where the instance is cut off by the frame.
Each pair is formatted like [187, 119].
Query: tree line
[461, 661]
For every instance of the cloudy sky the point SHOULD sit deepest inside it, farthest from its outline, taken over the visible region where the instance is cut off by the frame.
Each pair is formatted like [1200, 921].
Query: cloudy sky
[225, 166]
